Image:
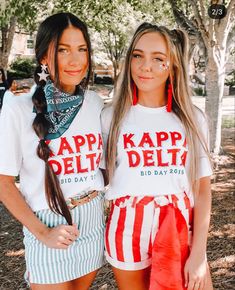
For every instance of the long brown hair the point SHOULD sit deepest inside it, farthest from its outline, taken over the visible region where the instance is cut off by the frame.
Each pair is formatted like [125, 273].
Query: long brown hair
[182, 105]
[49, 33]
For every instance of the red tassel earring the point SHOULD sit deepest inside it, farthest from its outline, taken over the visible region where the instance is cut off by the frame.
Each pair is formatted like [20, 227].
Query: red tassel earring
[134, 94]
[169, 98]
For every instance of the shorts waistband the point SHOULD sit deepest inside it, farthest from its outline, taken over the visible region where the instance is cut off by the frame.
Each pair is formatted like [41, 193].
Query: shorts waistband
[159, 200]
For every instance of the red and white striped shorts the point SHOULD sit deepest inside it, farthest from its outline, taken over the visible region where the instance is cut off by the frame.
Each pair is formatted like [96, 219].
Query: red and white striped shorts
[133, 224]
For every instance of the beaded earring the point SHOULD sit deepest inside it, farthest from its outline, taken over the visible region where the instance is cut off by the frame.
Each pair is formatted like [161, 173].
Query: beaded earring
[169, 98]
[134, 94]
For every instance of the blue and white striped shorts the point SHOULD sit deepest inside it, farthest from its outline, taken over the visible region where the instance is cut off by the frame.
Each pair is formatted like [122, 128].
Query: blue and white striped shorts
[50, 266]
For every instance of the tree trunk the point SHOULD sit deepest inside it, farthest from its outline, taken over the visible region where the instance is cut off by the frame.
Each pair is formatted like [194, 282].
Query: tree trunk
[7, 38]
[213, 34]
[215, 75]
[115, 70]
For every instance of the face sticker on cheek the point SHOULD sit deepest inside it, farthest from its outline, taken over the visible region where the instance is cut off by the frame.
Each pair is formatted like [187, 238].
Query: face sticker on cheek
[164, 66]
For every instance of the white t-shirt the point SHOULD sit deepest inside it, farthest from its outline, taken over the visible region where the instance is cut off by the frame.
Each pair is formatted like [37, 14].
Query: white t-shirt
[75, 158]
[152, 153]
[7, 96]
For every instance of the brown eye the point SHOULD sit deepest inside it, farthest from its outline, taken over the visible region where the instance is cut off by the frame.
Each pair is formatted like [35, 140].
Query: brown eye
[83, 49]
[135, 55]
[157, 59]
[63, 50]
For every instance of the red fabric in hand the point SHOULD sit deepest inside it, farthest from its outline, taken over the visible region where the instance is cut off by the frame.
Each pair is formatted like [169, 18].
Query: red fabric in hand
[170, 251]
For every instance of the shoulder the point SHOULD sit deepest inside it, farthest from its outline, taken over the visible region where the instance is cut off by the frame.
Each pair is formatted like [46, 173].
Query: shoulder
[94, 99]
[22, 103]
[8, 93]
[17, 112]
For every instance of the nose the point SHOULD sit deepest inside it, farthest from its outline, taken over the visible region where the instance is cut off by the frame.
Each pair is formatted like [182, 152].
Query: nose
[146, 65]
[74, 59]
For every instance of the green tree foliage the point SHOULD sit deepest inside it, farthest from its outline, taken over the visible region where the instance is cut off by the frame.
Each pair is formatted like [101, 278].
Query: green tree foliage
[20, 14]
[22, 67]
[115, 27]
[159, 10]
[111, 23]
[114, 21]
[230, 80]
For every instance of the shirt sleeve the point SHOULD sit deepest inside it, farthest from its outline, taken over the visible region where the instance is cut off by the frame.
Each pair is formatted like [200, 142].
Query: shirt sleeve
[10, 132]
[205, 168]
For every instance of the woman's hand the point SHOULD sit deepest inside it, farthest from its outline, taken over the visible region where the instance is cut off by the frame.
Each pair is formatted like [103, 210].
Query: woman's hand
[60, 237]
[195, 272]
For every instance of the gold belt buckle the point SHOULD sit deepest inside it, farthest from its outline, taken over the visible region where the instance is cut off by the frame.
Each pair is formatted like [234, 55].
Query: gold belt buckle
[88, 196]
[70, 203]
[73, 202]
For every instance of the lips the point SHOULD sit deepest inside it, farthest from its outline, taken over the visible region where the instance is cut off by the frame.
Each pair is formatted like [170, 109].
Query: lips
[144, 78]
[73, 72]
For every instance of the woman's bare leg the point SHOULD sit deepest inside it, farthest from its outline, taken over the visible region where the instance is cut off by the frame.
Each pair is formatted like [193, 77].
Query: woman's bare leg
[84, 282]
[129, 280]
[58, 286]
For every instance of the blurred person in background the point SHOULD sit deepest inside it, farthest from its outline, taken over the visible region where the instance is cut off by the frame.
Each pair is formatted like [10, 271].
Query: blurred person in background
[3, 86]
[11, 91]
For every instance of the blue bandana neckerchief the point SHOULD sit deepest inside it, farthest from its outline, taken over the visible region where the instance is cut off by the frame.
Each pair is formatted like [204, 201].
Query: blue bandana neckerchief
[61, 109]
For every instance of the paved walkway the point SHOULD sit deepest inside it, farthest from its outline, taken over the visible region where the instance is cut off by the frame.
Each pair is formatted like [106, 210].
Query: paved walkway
[228, 104]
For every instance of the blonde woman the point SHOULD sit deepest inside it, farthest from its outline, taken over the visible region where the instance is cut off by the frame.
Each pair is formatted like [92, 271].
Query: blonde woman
[159, 169]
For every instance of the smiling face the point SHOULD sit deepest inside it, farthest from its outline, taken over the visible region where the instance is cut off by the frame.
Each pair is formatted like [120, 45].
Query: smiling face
[150, 65]
[72, 59]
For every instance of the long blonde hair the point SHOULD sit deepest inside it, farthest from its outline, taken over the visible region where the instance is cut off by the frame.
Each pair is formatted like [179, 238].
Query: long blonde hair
[182, 105]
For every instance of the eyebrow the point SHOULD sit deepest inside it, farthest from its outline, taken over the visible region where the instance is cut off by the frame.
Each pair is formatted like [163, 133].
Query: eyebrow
[67, 45]
[154, 52]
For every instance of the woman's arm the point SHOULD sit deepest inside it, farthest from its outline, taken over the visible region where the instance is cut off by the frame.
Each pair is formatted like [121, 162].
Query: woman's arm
[59, 237]
[196, 265]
